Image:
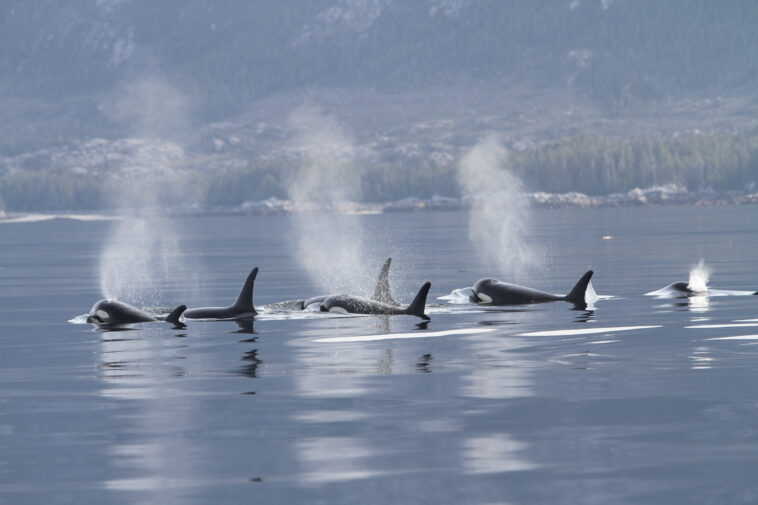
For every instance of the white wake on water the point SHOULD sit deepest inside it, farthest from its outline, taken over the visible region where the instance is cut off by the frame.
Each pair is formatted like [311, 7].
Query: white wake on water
[399, 336]
[459, 296]
[584, 331]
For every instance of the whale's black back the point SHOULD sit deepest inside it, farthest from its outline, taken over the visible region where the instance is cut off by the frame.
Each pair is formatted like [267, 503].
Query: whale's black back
[242, 307]
[110, 312]
[494, 292]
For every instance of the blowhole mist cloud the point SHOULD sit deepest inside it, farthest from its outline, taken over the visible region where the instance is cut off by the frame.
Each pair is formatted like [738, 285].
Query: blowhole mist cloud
[329, 242]
[142, 256]
[499, 214]
[699, 275]
[140, 260]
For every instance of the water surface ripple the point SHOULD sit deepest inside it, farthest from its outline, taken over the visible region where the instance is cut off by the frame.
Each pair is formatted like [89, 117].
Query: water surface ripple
[642, 400]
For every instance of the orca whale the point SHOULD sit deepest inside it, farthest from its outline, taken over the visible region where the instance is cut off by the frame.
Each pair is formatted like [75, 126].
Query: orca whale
[682, 288]
[113, 313]
[382, 292]
[494, 292]
[358, 305]
[242, 308]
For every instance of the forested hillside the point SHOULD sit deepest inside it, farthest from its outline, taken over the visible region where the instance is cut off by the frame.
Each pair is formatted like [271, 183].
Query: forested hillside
[590, 95]
[230, 52]
[591, 165]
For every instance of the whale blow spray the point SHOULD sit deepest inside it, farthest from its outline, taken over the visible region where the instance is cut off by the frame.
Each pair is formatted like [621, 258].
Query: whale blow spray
[699, 275]
[499, 213]
[142, 257]
[329, 242]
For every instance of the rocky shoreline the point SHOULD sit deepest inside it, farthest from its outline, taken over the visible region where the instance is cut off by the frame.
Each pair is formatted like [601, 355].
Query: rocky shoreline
[659, 195]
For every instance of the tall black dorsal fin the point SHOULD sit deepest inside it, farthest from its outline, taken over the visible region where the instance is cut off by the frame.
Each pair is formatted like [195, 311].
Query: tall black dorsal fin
[417, 306]
[382, 291]
[576, 296]
[244, 301]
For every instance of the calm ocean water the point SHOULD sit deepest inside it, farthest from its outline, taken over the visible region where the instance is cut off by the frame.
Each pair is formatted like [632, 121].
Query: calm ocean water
[481, 407]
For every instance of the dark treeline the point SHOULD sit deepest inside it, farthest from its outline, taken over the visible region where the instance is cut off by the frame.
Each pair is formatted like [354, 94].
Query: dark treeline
[595, 166]
[42, 191]
[600, 166]
[591, 165]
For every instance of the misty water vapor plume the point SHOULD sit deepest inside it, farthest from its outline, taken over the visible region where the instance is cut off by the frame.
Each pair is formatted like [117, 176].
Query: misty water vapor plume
[499, 213]
[141, 258]
[142, 255]
[329, 238]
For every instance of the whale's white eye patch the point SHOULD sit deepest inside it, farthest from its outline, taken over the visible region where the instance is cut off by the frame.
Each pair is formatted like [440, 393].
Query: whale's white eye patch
[340, 310]
[103, 315]
[484, 298]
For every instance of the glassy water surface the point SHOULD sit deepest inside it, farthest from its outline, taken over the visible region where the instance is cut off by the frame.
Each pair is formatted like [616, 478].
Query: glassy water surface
[654, 401]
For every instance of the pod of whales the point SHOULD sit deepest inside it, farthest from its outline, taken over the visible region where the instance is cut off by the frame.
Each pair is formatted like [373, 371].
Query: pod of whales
[494, 292]
[111, 313]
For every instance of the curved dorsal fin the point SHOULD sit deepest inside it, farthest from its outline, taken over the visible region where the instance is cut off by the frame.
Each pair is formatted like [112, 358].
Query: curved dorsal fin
[176, 314]
[244, 301]
[576, 296]
[417, 306]
[382, 291]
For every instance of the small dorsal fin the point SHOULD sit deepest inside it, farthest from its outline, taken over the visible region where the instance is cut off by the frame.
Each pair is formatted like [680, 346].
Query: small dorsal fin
[173, 318]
